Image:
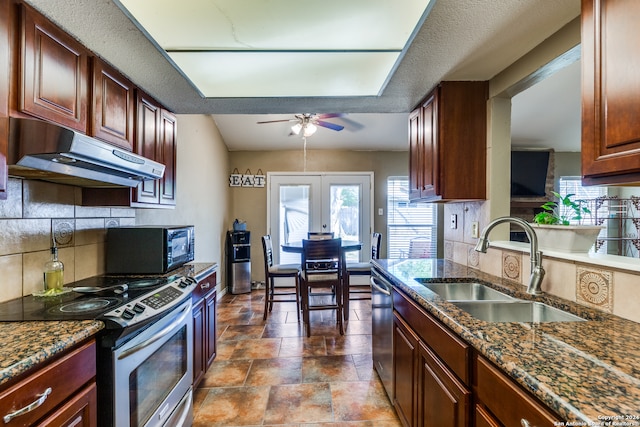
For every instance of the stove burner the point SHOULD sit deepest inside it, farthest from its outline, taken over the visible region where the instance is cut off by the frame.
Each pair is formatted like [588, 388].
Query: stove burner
[145, 283]
[84, 306]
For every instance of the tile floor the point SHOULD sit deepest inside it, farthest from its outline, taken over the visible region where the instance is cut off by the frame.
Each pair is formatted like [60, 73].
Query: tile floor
[270, 373]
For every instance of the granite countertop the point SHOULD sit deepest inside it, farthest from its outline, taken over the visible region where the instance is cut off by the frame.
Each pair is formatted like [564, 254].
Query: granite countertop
[27, 344]
[584, 371]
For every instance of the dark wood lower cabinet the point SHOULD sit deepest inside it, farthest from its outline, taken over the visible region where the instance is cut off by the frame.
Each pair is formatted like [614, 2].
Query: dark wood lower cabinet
[405, 353]
[443, 399]
[80, 411]
[440, 381]
[204, 326]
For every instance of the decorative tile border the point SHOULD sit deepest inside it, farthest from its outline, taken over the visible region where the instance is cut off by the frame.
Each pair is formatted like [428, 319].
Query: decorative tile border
[511, 266]
[473, 257]
[112, 223]
[63, 231]
[594, 288]
[448, 250]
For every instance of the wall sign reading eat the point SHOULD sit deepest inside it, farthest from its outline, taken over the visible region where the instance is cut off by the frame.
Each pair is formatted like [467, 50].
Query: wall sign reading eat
[247, 179]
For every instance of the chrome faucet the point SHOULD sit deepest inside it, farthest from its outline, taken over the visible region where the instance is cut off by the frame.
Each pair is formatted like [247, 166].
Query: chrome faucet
[537, 272]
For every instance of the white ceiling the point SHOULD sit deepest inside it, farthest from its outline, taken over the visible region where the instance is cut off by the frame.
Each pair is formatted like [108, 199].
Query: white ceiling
[548, 115]
[459, 40]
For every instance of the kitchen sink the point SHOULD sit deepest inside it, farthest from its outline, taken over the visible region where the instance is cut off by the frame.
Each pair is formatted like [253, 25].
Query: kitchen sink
[466, 291]
[515, 311]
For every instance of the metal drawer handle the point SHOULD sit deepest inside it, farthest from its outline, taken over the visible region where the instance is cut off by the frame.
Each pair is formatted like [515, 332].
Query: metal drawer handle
[30, 407]
[525, 423]
[205, 285]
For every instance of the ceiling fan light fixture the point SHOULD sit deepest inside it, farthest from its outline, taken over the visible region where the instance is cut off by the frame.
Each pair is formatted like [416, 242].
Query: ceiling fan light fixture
[296, 128]
[310, 129]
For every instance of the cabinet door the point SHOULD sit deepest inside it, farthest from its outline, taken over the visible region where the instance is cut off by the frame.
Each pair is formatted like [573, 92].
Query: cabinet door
[4, 95]
[79, 411]
[210, 311]
[443, 399]
[147, 143]
[507, 401]
[416, 147]
[167, 148]
[430, 147]
[54, 73]
[484, 419]
[113, 106]
[405, 353]
[199, 342]
[610, 90]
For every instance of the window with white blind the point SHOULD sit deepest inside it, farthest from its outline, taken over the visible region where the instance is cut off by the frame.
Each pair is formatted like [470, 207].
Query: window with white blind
[411, 227]
[573, 185]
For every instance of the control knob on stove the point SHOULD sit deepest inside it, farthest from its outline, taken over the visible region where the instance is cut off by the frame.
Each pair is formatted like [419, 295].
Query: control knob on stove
[128, 314]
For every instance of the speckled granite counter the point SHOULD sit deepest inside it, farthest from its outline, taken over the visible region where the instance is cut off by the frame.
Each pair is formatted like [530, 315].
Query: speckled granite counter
[584, 371]
[26, 344]
[198, 270]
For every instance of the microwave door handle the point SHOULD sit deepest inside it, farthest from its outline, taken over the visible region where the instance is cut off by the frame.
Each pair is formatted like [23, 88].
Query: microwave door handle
[185, 311]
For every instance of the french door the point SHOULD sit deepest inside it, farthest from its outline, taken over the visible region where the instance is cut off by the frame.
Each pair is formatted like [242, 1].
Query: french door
[341, 203]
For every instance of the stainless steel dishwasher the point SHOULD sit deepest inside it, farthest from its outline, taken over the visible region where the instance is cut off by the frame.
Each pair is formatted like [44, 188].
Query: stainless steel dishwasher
[382, 329]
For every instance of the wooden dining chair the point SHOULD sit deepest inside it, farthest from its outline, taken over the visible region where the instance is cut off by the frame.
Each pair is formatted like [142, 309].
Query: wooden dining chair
[322, 272]
[273, 271]
[360, 269]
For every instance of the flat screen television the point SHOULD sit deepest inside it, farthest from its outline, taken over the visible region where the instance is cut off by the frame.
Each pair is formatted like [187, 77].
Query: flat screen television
[529, 173]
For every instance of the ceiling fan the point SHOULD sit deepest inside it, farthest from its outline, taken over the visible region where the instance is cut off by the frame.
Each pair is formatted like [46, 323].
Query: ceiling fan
[308, 123]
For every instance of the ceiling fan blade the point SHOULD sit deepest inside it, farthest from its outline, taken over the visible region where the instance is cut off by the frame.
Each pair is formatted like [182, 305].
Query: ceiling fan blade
[278, 121]
[328, 115]
[329, 125]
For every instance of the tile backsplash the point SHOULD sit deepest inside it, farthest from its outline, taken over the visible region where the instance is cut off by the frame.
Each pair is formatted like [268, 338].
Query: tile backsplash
[612, 290]
[34, 214]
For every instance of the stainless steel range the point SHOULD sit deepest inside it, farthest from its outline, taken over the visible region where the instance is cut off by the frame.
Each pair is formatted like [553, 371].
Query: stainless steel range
[144, 354]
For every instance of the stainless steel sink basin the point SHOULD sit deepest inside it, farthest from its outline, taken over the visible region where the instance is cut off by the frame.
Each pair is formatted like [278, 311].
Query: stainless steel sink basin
[515, 311]
[466, 291]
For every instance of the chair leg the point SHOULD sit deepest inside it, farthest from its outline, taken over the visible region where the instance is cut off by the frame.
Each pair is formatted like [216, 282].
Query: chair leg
[340, 313]
[345, 297]
[267, 286]
[297, 280]
[305, 307]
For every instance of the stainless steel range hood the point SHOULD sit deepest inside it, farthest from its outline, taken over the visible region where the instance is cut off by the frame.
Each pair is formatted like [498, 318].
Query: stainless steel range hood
[46, 151]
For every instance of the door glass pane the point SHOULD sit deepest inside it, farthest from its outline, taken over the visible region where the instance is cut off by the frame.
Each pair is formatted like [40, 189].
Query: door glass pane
[294, 218]
[152, 381]
[345, 214]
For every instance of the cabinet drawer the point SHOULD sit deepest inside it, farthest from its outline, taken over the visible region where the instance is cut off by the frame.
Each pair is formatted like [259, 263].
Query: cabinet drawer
[205, 286]
[507, 401]
[64, 376]
[454, 352]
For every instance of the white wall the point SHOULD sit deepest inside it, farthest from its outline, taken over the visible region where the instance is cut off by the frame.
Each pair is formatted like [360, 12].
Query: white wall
[202, 188]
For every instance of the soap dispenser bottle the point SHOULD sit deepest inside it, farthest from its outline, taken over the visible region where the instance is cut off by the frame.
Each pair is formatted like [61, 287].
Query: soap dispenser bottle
[53, 273]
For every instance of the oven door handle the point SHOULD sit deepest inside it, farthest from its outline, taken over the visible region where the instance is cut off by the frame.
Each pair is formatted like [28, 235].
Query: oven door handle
[164, 331]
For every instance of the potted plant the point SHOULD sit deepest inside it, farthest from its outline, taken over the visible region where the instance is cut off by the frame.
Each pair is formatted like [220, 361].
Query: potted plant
[555, 231]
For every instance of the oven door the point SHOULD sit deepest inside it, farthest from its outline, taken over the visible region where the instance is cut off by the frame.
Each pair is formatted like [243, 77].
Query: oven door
[153, 373]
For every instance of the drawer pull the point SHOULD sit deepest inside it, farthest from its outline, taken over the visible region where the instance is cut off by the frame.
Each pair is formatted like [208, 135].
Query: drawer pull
[525, 423]
[205, 285]
[30, 407]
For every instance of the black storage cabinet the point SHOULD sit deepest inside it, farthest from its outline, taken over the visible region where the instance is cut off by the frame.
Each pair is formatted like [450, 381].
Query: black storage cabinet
[238, 262]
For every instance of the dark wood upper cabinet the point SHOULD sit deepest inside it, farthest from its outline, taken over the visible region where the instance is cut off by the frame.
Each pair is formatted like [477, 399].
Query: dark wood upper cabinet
[54, 79]
[113, 115]
[610, 91]
[448, 143]
[5, 57]
[148, 145]
[168, 139]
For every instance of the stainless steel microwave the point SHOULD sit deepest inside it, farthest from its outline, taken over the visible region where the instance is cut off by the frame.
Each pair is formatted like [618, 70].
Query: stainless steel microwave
[149, 249]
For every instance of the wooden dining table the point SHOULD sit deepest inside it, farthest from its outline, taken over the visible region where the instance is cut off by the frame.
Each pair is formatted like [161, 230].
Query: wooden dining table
[347, 246]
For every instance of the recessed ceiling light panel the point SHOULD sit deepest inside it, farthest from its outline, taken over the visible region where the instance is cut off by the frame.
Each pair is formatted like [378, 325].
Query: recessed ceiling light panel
[278, 40]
